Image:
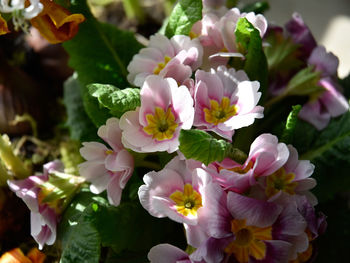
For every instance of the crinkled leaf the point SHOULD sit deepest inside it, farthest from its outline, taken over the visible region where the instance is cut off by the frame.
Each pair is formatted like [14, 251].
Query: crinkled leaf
[90, 222]
[80, 126]
[116, 100]
[291, 123]
[184, 15]
[250, 44]
[201, 146]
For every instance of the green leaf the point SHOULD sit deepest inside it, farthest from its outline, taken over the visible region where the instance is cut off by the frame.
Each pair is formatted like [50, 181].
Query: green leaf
[291, 123]
[90, 222]
[201, 146]
[184, 15]
[329, 151]
[304, 83]
[80, 126]
[116, 100]
[249, 43]
[257, 7]
[99, 53]
[345, 83]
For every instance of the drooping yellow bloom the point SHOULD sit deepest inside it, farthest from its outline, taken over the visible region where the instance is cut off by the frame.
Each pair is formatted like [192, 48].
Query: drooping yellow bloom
[161, 125]
[16, 256]
[3, 26]
[248, 241]
[188, 201]
[55, 23]
[280, 181]
[220, 113]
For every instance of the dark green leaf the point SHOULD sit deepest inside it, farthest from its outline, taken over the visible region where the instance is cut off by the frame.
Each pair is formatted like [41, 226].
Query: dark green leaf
[329, 151]
[249, 43]
[201, 146]
[116, 100]
[184, 15]
[345, 83]
[99, 53]
[80, 126]
[258, 7]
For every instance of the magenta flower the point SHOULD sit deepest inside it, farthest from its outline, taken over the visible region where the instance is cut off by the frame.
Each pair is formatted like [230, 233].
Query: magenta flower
[107, 168]
[176, 192]
[44, 216]
[165, 109]
[225, 100]
[176, 58]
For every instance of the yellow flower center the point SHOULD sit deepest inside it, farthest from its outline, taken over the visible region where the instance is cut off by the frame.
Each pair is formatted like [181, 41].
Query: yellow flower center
[193, 35]
[240, 169]
[161, 125]
[161, 65]
[188, 201]
[108, 152]
[248, 241]
[220, 112]
[280, 181]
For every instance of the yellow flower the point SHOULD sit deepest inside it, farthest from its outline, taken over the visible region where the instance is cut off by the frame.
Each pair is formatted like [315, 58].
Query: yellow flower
[55, 23]
[3, 26]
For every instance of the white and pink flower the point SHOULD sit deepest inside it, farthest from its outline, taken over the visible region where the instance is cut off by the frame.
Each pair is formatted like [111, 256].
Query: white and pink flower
[43, 216]
[175, 58]
[225, 100]
[266, 156]
[176, 191]
[107, 168]
[165, 109]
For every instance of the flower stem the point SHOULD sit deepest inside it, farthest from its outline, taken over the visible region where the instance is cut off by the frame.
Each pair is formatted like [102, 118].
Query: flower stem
[4, 175]
[12, 162]
[133, 10]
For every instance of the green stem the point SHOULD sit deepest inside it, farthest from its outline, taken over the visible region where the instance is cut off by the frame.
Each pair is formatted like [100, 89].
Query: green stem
[12, 161]
[134, 10]
[169, 6]
[4, 175]
[237, 155]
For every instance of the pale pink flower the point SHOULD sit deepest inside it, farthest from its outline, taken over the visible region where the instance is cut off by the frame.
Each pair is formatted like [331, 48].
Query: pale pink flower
[217, 35]
[165, 109]
[225, 100]
[176, 192]
[176, 58]
[293, 178]
[43, 216]
[107, 168]
[266, 156]
[331, 103]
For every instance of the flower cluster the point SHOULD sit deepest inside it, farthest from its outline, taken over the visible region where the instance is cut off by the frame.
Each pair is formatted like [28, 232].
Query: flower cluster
[261, 210]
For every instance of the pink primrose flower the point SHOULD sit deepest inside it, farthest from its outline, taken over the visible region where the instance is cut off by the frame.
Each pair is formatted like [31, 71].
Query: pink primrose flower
[331, 103]
[43, 216]
[225, 100]
[266, 156]
[217, 35]
[107, 168]
[166, 253]
[249, 230]
[176, 58]
[165, 110]
[293, 178]
[176, 192]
